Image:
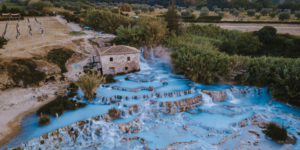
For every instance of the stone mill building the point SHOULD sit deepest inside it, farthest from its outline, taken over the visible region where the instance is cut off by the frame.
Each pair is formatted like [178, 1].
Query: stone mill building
[118, 59]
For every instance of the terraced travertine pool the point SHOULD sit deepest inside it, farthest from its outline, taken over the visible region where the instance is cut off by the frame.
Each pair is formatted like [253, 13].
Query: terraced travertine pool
[177, 114]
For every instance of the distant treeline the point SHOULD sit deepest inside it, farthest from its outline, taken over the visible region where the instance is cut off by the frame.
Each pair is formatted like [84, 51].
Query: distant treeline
[247, 4]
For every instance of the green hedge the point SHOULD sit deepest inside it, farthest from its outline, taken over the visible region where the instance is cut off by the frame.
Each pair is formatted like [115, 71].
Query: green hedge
[202, 19]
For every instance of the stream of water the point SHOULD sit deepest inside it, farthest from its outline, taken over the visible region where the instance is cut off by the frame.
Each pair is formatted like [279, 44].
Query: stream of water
[212, 125]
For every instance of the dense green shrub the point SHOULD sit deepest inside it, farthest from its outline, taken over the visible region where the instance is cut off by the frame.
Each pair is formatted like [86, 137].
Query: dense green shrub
[114, 113]
[115, 10]
[59, 105]
[33, 12]
[57, 4]
[60, 57]
[229, 47]
[137, 12]
[25, 70]
[151, 9]
[107, 21]
[272, 14]
[110, 78]
[204, 11]
[277, 44]
[257, 16]
[236, 13]
[209, 18]
[248, 43]
[264, 12]
[42, 4]
[251, 12]
[44, 120]
[144, 9]
[275, 132]
[221, 14]
[284, 16]
[186, 13]
[150, 31]
[297, 14]
[3, 41]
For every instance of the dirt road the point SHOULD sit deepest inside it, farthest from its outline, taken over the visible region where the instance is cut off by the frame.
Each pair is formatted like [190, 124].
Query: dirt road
[281, 28]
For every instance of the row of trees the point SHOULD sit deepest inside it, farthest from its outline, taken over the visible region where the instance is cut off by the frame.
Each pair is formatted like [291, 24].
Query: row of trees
[247, 4]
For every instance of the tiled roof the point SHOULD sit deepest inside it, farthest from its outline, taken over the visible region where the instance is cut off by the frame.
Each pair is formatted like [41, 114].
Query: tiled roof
[119, 49]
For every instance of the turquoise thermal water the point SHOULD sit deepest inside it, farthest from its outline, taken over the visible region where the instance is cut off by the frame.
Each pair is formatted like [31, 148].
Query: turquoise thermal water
[207, 124]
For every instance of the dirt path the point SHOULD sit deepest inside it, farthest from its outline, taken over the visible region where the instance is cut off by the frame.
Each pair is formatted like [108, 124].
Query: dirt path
[281, 28]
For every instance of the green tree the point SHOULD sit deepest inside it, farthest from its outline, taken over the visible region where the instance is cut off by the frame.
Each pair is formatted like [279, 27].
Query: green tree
[106, 20]
[297, 14]
[251, 12]
[42, 4]
[145, 9]
[272, 14]
[4, 8]
[284, 16]
[150, 31]
[172, 18]
[126, 7]
[137, 12]
[248, 43]
[204, 11]
[3, 41]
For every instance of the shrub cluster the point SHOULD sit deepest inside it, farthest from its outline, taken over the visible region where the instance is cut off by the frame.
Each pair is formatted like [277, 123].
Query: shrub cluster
[25, 70]
[60, 57]
[73, 89]
[110, 78]
[44, 120]
[59, 105]
[114, 113]
[107, 21]
[275, 132]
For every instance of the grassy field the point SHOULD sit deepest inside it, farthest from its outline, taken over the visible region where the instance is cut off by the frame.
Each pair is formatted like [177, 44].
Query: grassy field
[14, 5]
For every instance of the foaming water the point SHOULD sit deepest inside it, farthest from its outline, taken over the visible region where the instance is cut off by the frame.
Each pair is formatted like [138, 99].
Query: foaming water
[155, 118]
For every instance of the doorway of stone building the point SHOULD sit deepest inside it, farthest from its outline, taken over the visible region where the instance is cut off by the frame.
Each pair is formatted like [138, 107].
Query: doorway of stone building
[111, 70]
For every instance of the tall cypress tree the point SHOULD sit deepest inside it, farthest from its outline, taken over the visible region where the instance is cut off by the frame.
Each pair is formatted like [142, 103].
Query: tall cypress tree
[4, 9]
[172, 18]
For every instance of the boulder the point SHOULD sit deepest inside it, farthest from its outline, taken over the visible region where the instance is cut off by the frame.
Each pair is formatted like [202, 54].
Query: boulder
[242, 124]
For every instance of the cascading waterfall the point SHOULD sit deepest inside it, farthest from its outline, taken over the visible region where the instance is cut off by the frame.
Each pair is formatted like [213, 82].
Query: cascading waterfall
[152, 55]
[157, 116]
[206, 99]
[230, 97]
[143, 62]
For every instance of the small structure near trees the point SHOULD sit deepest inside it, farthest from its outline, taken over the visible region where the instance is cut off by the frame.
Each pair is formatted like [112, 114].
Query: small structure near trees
[119, 59]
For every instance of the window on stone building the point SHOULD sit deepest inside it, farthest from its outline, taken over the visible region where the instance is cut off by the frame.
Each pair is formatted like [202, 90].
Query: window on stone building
[128, 58]
[126, 68]
[111, 59]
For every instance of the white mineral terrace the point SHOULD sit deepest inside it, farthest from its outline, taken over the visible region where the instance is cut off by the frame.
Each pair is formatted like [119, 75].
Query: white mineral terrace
[177, 114]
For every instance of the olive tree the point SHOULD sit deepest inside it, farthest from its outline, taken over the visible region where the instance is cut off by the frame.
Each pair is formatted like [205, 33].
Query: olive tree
[251, 12]
[204, 11]
[284, 16]
[297, 14]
